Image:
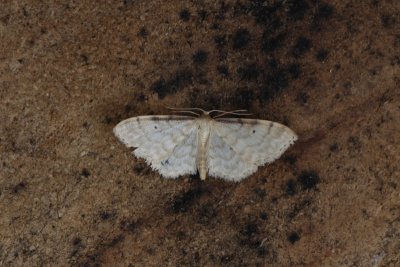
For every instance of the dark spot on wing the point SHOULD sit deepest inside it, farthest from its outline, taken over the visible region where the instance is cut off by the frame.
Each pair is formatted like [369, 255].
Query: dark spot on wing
[254, 131]
[271, 124]
[165, 162]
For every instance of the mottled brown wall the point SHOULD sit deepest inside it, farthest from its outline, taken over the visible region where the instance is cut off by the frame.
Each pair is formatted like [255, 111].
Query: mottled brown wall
[71, 194]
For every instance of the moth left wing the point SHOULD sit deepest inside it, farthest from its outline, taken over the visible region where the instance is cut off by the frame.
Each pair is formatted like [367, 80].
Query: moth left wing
[167, 143]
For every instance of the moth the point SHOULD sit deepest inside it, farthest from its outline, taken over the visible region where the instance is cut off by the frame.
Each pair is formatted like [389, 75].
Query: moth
[205, 141]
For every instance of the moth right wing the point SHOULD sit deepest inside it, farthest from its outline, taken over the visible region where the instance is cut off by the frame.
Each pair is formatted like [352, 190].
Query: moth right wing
[167, 143]
[224, 162]
[239, 146]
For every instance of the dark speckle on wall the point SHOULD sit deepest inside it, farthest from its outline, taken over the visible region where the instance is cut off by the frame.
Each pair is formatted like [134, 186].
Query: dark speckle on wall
[143, 32]
[200, 57]
[272, 43]
[293, 237]
[308, 179]
[183, 201]
[291, 187]
[297, 9]
[220, 40]
[184, 15]
[85, 172]
[18, 187]
[301, 46]
[179, 80]
[248, 72]
[240, 38]
[223, 69]
[322, 55]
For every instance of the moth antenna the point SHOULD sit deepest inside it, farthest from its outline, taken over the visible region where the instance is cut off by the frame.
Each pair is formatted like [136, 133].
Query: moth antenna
[186, 111]
[232, 113]
[223, 111]
[240, 110]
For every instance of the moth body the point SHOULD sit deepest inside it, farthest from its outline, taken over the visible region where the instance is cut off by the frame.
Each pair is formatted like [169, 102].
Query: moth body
[203, 138]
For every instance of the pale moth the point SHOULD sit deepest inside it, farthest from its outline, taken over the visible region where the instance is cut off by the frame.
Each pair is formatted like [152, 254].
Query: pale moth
[227, 148]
